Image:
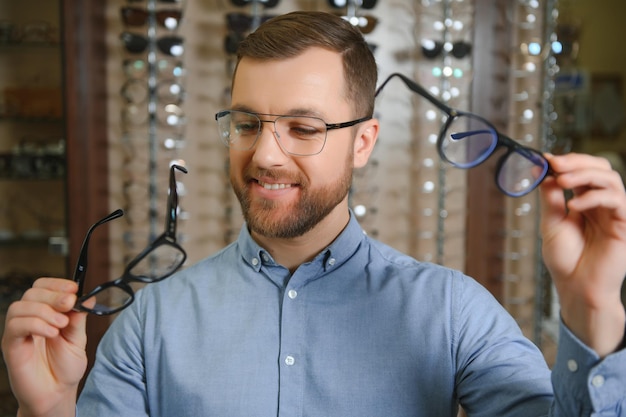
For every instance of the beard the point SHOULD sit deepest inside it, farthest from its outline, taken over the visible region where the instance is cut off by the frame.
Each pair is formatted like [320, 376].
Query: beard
[273, 219]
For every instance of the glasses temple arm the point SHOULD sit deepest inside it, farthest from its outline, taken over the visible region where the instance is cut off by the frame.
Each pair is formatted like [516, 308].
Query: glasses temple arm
[81, 264]
[416, 88]
[172, 203]
[463, 135]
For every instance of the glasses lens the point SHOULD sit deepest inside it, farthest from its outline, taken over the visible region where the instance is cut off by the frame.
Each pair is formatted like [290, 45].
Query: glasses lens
[521, 171]
[238, 22]
[134, 43]
[300, 135]
[467, 141]
[170, 68]
[169, 19]
[159, 263]
[461, 49]
[238, 130]
[135, 68]
[135, 91]
[171, 115]
[107, 299]
[431, 49]
[170, 91]
[135, 114]
[171, 45]
[133, 16]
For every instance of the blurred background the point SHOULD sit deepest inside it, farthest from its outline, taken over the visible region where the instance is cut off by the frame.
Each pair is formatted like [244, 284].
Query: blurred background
[99, 98]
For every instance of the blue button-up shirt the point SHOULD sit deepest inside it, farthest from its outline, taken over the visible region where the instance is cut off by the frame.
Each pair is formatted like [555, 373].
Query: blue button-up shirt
[360, 331]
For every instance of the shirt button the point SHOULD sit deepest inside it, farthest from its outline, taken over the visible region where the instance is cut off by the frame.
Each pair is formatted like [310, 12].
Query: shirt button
[290, 360]
[572, 365]
[331, 261]
[255, 261]
[265, 257]
[597, 381]
[292, 294]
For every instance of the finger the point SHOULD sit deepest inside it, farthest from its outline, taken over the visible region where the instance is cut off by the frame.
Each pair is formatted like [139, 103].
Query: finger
[76, 331]
[599, 198]
[574, 161]
[583, 179]
[60, 301]
[39, 313]
[20, 328]
[56, 284]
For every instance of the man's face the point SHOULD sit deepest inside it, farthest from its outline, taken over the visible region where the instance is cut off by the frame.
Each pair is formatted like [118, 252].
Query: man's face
[282, 195]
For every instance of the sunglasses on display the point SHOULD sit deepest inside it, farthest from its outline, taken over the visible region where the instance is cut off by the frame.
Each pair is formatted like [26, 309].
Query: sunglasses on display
[466, 140]
[167, 91]
[432, 49]
[167, 18]
[241, 22]
[157, 261]
[366, 24]
[137, 44]
[138, 68]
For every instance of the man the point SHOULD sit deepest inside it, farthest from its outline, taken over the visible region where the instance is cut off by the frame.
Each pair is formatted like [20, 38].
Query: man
[305, 315]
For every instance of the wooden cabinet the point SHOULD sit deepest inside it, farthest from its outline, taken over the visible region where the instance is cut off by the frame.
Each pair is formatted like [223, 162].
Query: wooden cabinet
[53, 166]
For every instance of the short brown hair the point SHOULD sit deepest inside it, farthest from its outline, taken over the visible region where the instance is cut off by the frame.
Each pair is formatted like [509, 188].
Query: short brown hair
[290, 34]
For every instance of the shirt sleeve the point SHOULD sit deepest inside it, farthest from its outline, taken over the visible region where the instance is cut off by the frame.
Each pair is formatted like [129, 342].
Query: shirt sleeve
[116, 385]
[584, 384]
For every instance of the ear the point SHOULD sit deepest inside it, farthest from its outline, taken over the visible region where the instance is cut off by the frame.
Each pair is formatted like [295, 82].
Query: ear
[365, 141]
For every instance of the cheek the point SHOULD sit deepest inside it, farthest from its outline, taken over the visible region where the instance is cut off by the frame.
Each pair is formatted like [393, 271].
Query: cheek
[237, 162]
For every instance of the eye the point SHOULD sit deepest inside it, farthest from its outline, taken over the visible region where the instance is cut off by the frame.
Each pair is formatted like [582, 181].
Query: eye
[248, 127]
[304, 128]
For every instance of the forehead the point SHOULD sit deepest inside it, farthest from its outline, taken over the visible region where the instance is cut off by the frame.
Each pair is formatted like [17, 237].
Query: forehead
[313, 81]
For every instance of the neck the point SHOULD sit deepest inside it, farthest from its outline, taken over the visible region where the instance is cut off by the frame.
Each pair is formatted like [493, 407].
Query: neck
[293, 252]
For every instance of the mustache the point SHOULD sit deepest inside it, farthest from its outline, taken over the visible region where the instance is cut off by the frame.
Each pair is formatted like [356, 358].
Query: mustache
[250, 174]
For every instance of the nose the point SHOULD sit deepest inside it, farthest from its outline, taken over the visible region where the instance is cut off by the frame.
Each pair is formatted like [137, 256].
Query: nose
[268, 150]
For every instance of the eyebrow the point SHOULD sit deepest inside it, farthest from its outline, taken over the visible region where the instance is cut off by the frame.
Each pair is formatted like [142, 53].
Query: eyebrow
[301, 111]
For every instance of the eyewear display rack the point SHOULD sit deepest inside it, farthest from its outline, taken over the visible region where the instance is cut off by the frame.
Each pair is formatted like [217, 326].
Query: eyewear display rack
[152, 118]
[527, 288]
[446, 71]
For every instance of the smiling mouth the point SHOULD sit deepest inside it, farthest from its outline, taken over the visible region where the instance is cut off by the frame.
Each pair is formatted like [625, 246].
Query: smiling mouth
[276, 186]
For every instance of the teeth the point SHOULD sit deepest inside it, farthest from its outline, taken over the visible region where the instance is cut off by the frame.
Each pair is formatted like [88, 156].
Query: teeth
[274, 186]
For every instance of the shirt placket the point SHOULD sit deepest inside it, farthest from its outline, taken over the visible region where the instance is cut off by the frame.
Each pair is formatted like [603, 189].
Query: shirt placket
[292, 360]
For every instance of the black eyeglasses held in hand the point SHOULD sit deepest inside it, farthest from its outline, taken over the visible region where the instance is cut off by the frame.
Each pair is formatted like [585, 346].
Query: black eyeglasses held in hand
[157, 261]
[466, 140]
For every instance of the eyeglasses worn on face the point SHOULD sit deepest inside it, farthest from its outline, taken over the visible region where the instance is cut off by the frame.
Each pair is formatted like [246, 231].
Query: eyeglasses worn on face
[466, 140]
[157, 261]
[297, 135]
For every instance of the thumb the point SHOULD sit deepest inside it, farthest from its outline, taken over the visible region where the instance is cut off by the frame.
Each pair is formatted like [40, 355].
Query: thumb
[75, 332]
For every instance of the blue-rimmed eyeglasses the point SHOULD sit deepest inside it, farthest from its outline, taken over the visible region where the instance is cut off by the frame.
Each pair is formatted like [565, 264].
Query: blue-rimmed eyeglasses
[297, 135]
[466, 140]
[157, 261]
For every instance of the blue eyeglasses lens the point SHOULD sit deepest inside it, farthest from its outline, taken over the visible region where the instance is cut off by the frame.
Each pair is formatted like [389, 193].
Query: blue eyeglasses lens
[467, 141]
[521, 172]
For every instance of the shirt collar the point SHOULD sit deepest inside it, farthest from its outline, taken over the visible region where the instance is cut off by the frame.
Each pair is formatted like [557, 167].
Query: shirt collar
[335, 254]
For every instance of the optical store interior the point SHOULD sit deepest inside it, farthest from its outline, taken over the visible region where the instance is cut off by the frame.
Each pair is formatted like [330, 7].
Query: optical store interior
[99, 98]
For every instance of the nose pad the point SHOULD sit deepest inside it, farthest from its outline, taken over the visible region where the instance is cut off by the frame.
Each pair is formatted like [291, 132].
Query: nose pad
[269, 151]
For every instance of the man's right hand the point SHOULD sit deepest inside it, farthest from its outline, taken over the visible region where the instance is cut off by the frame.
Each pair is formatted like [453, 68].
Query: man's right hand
[44, 348]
